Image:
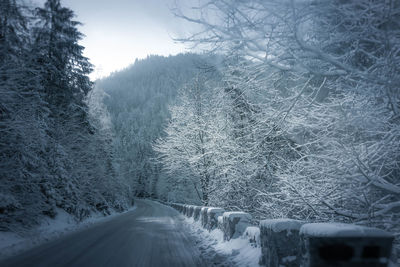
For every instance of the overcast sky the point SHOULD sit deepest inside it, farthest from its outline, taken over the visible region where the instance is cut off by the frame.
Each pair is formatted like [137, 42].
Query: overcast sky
[119, 31]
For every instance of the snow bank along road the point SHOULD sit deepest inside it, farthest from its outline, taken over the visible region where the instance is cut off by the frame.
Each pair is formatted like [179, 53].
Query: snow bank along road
[151, 235]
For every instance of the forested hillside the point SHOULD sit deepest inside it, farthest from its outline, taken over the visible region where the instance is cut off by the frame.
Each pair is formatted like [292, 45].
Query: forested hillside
[53, 154]
[136, 100]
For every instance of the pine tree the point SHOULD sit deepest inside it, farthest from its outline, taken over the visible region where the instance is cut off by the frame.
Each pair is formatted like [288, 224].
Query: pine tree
[65, 68]
[23, 116]
[65, 78]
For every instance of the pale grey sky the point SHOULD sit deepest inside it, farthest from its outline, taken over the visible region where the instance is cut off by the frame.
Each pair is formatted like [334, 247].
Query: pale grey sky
[119, 31]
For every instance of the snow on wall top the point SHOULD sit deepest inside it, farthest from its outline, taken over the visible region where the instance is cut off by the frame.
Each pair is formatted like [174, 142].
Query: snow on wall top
[204, 209]
[279, 225]
[215, 210]
[236, 214]
[341, 230]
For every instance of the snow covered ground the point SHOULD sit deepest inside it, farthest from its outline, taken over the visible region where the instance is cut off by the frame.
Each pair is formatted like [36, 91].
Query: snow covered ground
[64, 223]
[236, 252]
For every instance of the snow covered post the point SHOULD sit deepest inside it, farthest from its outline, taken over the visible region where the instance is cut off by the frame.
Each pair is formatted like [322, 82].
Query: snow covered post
[235, 223]
[180, 208]
[252, 233]
[190, 211]
[212, 217]
[203, 216]
[196, 212]
[345, 245]
[280, 242]
[220, 223]
[186, 209]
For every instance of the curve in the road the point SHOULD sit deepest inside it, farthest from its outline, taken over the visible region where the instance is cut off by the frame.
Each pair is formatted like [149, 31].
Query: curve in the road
[151, 235]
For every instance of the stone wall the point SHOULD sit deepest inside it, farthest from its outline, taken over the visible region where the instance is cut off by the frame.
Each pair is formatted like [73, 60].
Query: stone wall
[293, 243]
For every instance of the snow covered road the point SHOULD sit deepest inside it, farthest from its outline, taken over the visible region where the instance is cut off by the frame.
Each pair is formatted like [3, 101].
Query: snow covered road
[151, 235]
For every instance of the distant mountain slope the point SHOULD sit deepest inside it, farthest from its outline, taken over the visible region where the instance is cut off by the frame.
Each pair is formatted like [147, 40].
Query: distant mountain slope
[137, 100]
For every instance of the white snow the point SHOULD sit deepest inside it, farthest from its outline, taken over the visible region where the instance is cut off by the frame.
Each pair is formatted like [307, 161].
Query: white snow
[215, 210]
[236, 252]
[8, 239]
[253, 233]
[279, 225]
[49, 229]
[203, 210]
[241, 225]
[341, 230]
[236, 214]
[242, 251]
[203, 213]
[289, 259]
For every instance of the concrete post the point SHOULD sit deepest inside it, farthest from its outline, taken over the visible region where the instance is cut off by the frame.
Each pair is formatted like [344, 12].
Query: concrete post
[203, 216]
[280, 242]
[196, 213]
[345, 245]
[235, 223]
[212, 217]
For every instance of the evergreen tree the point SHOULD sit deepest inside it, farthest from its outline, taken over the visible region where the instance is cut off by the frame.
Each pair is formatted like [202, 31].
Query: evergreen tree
[65, 69]
[52, 155]
[23, 122]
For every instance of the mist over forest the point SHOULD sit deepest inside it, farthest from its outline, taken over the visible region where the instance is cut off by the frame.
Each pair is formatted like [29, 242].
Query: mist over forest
[283, 109]
[137, 102]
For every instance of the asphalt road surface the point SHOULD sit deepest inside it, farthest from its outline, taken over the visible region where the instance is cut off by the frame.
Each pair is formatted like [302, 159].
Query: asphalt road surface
[150, 235]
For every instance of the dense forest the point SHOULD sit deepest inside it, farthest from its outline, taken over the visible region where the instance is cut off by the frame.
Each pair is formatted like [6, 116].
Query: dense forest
[136, 102]
[53, 152]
